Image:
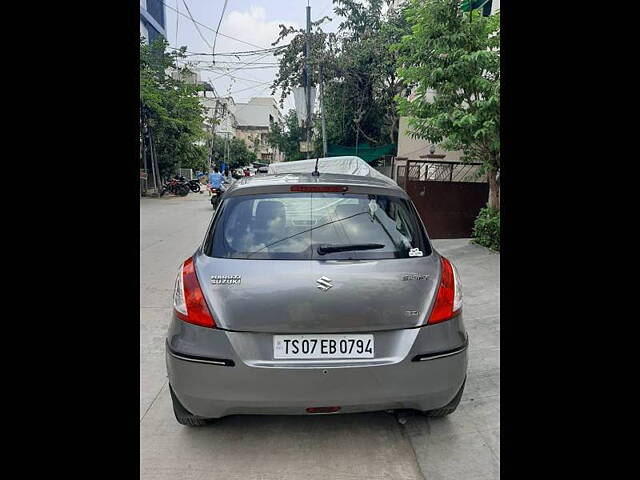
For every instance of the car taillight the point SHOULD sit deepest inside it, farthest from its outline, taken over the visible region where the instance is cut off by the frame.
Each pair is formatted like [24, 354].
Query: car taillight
[449, 295]
[188, 298]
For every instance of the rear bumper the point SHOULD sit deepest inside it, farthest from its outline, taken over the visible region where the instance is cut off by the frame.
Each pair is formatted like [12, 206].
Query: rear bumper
[218, 382]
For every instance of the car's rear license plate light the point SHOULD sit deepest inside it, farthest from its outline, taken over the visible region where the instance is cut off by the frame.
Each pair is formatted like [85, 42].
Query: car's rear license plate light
[323, 409]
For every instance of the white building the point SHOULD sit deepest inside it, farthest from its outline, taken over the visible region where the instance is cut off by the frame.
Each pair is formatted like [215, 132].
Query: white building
[254, 121]
[226, 123]
[250, 122]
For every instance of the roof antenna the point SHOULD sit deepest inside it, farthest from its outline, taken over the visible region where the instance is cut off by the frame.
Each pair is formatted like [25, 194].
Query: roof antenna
[316, 173]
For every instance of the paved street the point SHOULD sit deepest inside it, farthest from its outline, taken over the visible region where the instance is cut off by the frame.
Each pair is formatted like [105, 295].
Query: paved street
[465, 445]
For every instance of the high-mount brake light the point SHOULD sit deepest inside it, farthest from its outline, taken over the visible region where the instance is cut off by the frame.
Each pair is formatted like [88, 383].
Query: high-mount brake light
[188, 299]
[448, 301]
[318, 188]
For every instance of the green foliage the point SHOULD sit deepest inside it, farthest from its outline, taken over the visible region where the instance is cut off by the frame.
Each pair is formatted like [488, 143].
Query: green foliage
[358, 70]
[171, 109]
[287, 137]
[486, 229]
[239, 155]
[458, 57]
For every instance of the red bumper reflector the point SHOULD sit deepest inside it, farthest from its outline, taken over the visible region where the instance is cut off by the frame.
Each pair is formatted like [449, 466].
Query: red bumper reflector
[323, 409]
[318, 188]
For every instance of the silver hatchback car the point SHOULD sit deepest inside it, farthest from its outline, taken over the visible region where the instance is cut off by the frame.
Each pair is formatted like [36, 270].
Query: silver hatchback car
[315, 295]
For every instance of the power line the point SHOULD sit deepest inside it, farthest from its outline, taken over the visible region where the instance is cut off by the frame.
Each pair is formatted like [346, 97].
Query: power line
[177, 18]
[235, 77]
[249, 88]
[213, 30]
[221, 68]
[192, 54]
[241, 68]
[233, 63]
[194, 23]
[246, 53]
[213, 52]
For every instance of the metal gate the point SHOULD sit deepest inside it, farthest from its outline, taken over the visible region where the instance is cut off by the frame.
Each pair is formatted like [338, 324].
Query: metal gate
[447, 195]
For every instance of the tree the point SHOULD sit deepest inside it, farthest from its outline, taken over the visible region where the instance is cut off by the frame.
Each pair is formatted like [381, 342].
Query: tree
[360, 98]
[358, 70]
[255, 143]
[238, 154]
[457, 57]
[287, 137]
[171, 109]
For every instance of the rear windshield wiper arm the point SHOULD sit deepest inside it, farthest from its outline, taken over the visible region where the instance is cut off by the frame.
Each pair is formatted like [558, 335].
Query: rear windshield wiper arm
[323, 249]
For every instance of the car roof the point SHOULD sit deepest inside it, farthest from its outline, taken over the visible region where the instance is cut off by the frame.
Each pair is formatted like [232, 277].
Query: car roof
[281, 179]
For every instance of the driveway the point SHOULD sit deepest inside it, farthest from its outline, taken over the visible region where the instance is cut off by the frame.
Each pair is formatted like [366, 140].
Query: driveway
[372, 446]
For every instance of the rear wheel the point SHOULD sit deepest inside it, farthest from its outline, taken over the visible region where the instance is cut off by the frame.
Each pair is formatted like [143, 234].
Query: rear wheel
[183, 416]
[450, 407]
[183, 190]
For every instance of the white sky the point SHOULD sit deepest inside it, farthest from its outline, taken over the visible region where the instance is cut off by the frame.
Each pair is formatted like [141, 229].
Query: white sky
[253, 21]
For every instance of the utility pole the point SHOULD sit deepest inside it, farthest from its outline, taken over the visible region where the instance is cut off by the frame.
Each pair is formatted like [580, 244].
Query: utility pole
[307, 79]
[228, 149]
[324, 129]
[154, 163]
[213, 132]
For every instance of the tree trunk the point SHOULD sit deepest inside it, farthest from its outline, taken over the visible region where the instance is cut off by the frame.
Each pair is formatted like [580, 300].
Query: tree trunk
[494, 189]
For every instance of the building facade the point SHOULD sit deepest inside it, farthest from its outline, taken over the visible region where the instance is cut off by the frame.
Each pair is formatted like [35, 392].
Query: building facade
[152, 19]
[226, 123]
[254, 122]
[250, 122]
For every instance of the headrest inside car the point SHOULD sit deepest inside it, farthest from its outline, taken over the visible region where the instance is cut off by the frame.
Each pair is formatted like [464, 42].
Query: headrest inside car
[269, 214]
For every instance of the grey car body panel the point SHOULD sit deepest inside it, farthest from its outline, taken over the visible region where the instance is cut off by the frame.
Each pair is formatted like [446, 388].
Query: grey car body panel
[281, 297]
[257, 384]
[256, 349]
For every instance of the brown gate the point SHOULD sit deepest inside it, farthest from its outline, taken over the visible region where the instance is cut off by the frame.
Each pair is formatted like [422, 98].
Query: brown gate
[447, 195]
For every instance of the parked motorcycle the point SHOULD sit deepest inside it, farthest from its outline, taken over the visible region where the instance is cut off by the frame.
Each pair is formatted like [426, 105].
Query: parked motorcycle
[175, 186]
[194, 185]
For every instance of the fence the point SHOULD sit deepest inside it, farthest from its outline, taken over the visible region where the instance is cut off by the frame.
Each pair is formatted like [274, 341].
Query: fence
[385, 166]
[447, 195]
[186, 173]
[439, 171]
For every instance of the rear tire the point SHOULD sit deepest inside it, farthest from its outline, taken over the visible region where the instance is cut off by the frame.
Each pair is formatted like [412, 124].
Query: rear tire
[450, 407]
[183, 416]
[183, 190]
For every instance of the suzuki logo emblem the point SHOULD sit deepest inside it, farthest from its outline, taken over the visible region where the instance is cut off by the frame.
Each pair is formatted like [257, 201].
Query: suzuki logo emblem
[324, 283]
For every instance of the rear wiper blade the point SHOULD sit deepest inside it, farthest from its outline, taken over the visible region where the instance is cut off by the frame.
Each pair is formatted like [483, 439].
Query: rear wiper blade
[330, 248]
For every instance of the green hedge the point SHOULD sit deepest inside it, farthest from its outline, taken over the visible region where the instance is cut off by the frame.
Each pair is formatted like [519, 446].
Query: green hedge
[486, 229]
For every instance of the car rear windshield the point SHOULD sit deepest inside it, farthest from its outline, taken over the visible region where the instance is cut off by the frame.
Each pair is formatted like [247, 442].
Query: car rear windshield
[318, 226]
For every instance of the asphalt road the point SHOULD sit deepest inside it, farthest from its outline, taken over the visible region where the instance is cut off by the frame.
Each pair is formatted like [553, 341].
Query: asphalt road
[372, 446]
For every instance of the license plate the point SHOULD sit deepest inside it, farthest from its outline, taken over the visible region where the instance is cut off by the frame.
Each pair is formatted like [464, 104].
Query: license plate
[322, 346]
